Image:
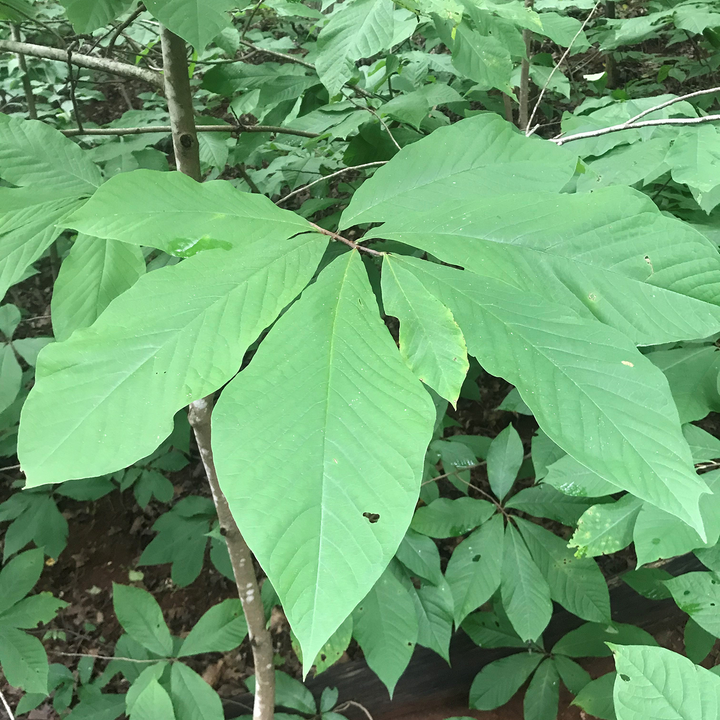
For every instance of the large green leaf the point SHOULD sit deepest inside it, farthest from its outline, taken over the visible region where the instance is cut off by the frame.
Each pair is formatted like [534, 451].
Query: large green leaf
[504, 459]
[525, 592]
[385, 624]
[606, 528]
[196, 21]
[33, 153]
[609, 254]
[576, 583]
[141, 617]
[107, 396]
[430, 340]
[482, 58]
[477, 157]
[591, 639]
[328, 390]
[474, 568]
[358, 29]
[498, 681]
[89, 15]
[28, 219]
[172, 212]
[590, 389]
[694, 159]
[192, 697]
[698, 594]
[94, 273]
[653, 682]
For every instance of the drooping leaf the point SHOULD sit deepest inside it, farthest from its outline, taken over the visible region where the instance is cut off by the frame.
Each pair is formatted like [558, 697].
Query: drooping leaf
[430, 340]
[619, 259]
[606, 528]
[635, 442]
[356, 426]
[32, 153]
[543, 694]
[498, 681]
[655, 682]
[385, 624]
[141, 617]
[576, 583]
[525, 592]
[94, 273]
[357, 29]
[221, 629]
[504, 460]
[178, 334]
[195, 21]
[482, 155]
[172, 212]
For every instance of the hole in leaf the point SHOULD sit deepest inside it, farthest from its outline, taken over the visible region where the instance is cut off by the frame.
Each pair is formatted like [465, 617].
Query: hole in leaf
[624, 678]
[477, 558]
[371, 517]
[323, 657]
[687, 592]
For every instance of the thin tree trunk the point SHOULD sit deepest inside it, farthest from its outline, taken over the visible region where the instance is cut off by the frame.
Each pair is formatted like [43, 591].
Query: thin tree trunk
[524, 95]
[27, 86]
[610, 66]
[187, 158]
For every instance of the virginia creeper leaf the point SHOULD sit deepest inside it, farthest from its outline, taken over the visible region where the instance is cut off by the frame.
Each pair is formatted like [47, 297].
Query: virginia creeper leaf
[328, 389]
[498, 681]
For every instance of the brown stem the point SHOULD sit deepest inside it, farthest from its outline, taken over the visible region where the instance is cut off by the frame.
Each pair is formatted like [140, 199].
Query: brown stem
[122, 27]
[187, 156]
[242, 565]
[87, 61]
[524, 95]
[345, 241]
[610, 65]
[507, 102]
[239, 128]
[27, 85]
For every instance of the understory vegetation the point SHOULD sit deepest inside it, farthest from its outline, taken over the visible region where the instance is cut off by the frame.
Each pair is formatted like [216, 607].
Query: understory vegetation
[333, 329]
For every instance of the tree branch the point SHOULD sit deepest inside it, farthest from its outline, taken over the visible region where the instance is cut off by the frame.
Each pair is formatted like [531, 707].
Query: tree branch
[121, 28]
[239, 128]
[345, 241]
[8, 710]
[678, 99]
[631, 125]
[27, 85]
[282, 200]
[278, 55]
[90, 62]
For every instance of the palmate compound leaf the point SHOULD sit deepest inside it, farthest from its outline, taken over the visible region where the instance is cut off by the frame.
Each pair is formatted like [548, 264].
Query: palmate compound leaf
[653, 682]
[478, 157]
[172, 212]
[609, 254]
[319, 447]
[107, 396]
[431, 342]
[590, 389]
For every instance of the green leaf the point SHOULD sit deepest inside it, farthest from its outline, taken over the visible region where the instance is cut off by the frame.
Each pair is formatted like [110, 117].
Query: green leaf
[356, 428]
[32, 153]
[698, 642]
[435, 618]
[334, 648]
[90, 15]
[576, 583]
[648, 582]
[154, 350]
[482, 58]
[694, 160]
[606, 528]
[545, 501]
[196, 21]
[525, 592]
[590, 640]
[289, 693]
[698, 595]
[419, 554]
[94, 273]
[99, 707]
[385, 624]
[172, 212]
[482, 155]
[221, 629]
[141, 617]
[473, 572]
[431, 342]
[498, 681]
[575, 480]
[489, 630]
[574, 677]
[30, 612]
[151, 703]
[328, 699]
[655, 682]
[356, 30]
[10, 376]
[9, 320]
[543, 694]
[17, 11]
[192, 697]
[596, 698]
[19, 577]
[636, 442]
[23, 660]
[703, 445]
[619, 260]
[504, 460]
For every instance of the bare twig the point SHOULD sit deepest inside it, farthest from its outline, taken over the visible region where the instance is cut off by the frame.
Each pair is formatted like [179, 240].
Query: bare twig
[102, 657]
[90, 62]
[246, 27]
[280, 56]
[71, 82]
[378, 118]
[9, 711]
[251, 183]
[121, 28]
[27, 85]
[238, 128]
[352, 703]
[455, 472]
[524, 94]
[630, 126]
[282, 200]
[678, 99]
[529, 130]
[345, 241]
